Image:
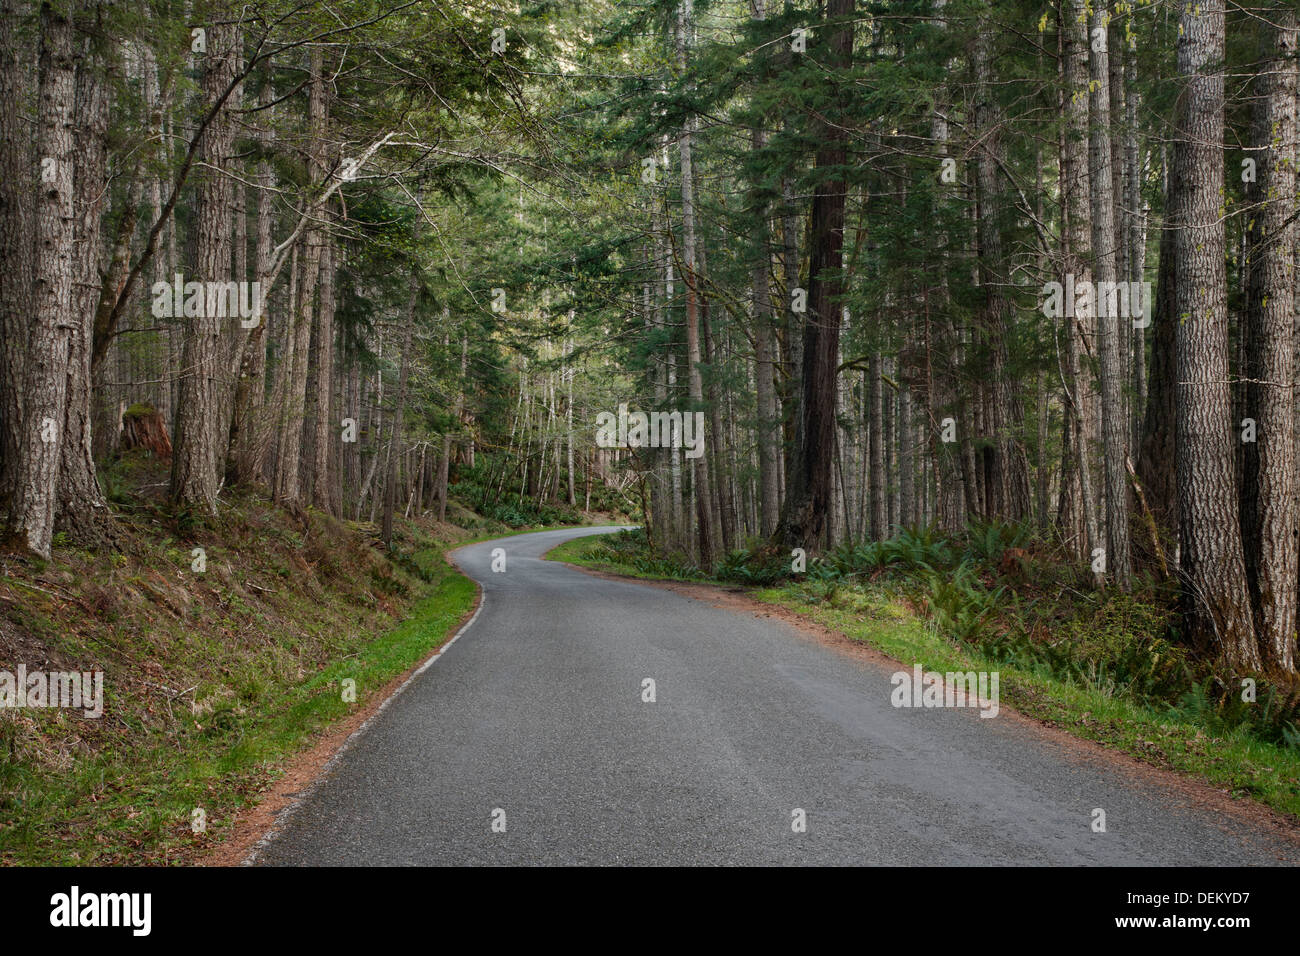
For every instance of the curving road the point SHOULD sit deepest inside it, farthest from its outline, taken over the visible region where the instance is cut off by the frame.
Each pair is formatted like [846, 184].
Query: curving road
[535, 718]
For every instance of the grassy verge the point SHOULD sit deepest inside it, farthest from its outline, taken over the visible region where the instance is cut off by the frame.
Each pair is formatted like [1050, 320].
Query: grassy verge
[213, 679]
[1189, 736]
[597, 552]
[133, 799]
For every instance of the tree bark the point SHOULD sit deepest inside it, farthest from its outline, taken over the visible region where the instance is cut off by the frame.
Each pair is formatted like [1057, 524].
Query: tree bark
[195, 461]
[82, 510]
[395, 432]
[876, 447]
[808, 483]
[45, 379]
[1077, 247]
[1216, 600]
[323, 494]
[289, 456]
[17, 224]
[1105, 270]
[703, 506]
[1137, 237]
[1269, 519]
[1009, 486]
[250, 428]
[768, 423]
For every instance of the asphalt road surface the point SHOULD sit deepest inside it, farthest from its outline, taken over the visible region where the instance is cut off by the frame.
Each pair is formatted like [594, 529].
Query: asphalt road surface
[528, 742]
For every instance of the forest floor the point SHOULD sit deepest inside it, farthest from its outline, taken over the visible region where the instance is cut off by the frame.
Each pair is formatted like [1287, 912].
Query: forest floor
[1090, 697]
[218, 667]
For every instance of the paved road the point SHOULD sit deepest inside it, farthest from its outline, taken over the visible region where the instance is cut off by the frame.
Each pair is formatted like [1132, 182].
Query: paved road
[537, 711]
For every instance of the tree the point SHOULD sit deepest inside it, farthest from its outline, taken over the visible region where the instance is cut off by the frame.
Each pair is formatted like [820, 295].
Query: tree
[45, 383]
[768, 420]
[808, 482]
[1077, 253]
[82, 510]
[395, 433]
[16, 230]
[1105, 242]
[1010, 479]
[1269, 513]
[1216, 600]
[700, 471]
[196, 445]
[322, 483]
[288, 470]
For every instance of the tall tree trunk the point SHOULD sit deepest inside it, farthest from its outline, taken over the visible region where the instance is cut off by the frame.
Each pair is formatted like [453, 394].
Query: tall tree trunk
[907, 516]
[767, 426]
[444, 461]
[768, 423]
[678, 519]
[285, 339]
[1010, 479]
[664, 526]
[1216, 600]
[790, 383]
[1269, 520]
[377, 431]
[1114, 420]
[289, 456]
[722, 486]
[1137, 237]
[889, 432]
[703, 505]
[45, 380]
[250, 428]
[876, 447]
[395, 432]
[82, 510]
[323, 494]
[1075, 194]
[17, 224]
[568, 413]
[808, 494]
[195, 456]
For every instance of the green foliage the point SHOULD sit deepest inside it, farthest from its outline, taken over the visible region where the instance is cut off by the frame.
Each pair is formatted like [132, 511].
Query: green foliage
[630, 551]
[1274, 716]
[679, 569]
[489, 489]
[755, 568]
[959, 603]
[627, 544]
[413, 566]
[987, 541]
[912, 550]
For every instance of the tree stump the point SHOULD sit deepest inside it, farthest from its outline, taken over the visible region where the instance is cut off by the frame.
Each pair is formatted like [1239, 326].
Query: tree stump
[143, 427]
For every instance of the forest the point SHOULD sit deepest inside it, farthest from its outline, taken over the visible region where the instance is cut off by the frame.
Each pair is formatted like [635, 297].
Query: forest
[768, 277]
